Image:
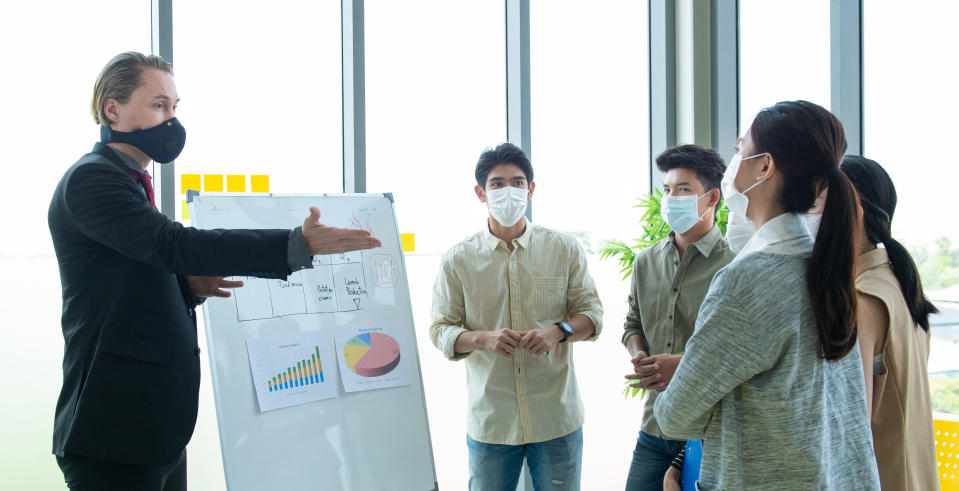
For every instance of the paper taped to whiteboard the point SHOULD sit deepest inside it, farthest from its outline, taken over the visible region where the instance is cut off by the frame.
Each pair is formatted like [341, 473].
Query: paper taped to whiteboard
[372, 357]
[288, 370]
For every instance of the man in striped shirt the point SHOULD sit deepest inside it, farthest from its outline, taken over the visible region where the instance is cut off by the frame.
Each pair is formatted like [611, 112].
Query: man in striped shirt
[511, 300]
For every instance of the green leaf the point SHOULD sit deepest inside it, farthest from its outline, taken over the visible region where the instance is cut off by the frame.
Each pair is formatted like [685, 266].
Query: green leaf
[630, 392]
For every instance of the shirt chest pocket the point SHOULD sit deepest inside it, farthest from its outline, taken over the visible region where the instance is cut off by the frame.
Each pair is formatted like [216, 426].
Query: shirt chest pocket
[549, 299]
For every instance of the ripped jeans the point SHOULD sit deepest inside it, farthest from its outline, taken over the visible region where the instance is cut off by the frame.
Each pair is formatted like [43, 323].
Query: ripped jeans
[553, 465]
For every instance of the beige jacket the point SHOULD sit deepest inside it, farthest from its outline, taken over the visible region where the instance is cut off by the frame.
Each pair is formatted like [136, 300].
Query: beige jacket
[902, 428]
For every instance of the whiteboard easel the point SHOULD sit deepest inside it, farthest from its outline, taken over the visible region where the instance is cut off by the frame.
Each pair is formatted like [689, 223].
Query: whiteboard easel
[368, 440]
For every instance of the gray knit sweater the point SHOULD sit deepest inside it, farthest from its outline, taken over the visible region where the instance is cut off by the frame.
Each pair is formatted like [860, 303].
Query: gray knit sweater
[775, 416]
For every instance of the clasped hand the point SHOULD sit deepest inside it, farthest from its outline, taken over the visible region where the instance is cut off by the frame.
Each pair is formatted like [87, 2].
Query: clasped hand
[505, 342]
[652, 372]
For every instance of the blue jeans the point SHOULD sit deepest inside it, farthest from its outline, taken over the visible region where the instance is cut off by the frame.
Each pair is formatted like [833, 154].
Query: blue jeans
[553, 464]
[651, 460]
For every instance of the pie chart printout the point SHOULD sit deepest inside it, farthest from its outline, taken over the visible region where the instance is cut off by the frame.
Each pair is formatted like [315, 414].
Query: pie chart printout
[371, 354]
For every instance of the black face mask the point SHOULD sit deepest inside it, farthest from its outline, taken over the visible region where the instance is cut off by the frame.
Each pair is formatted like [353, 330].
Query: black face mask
[162, 143]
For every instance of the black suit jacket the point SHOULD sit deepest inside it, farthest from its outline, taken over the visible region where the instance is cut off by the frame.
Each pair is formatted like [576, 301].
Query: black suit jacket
[131, 368]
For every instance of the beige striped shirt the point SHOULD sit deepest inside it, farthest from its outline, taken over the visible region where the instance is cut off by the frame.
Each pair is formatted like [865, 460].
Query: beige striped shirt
[481, 285]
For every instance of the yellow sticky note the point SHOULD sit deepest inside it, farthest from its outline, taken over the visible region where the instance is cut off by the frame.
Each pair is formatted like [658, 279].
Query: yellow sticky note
[189, 181]
[409, 242]
[186, 209]
[213, 182]
[260, 184]
[235, 183]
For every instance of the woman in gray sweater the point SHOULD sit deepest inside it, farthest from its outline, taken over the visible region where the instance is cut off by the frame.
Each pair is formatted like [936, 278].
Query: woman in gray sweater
[772, 378]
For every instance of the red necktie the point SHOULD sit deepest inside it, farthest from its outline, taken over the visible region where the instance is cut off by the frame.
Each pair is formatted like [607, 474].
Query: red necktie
[147, 182]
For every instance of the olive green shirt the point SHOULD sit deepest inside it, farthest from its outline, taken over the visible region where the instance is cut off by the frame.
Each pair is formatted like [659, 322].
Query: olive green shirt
[664, 298]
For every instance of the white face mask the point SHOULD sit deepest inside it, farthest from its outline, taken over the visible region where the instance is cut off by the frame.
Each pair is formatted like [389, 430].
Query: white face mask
[507, 204]
[736, 200]
[681, 213]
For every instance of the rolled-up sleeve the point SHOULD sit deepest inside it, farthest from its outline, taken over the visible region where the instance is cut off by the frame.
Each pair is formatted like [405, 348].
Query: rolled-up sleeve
[449, 310]
[581, 294]
[634, 321]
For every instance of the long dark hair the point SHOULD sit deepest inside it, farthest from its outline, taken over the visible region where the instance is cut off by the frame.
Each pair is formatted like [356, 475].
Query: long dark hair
[806, 143]
[877, 194]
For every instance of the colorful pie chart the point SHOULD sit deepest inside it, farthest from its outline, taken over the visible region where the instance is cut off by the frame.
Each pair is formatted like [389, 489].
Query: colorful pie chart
[371, 354]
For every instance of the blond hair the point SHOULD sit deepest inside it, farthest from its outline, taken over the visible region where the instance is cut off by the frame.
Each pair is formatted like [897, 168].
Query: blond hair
[119, 78]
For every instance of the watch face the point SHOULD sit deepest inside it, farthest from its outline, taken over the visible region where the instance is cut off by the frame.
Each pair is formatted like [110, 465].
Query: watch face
[567, 330]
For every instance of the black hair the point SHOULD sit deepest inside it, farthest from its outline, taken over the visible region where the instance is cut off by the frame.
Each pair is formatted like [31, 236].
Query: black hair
[705, 162]
[504, 153]
[806, 143]
[877, 194]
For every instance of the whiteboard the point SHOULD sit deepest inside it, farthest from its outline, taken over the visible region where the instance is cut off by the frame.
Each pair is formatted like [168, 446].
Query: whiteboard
[363, 440]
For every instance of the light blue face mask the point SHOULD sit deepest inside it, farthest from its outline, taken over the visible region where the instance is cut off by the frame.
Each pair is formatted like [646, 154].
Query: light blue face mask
[681, 213]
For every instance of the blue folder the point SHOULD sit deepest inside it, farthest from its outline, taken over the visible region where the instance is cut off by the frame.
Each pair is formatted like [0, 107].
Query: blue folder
[691, 463]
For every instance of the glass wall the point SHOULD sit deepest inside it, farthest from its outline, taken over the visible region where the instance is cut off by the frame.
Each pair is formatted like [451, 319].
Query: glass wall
[909, 106]
[52, 54]
[909, 113]
[590, 149]
[261, 101]
[260, 98]
[783, 54]
[435, 98]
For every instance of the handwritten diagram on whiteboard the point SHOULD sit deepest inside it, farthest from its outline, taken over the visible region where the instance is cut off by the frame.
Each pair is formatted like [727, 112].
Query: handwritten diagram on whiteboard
[337, 283]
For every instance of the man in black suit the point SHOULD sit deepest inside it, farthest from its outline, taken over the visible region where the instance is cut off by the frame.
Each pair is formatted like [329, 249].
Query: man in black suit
[131, 280]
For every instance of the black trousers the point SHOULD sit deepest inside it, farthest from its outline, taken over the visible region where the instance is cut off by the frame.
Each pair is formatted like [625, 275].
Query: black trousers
[88, 474]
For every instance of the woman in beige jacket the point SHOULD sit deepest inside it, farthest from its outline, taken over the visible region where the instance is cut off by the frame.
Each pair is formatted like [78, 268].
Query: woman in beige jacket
[893, 325]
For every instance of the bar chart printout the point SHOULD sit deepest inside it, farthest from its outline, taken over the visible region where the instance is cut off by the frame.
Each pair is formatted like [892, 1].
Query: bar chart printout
[288, 370]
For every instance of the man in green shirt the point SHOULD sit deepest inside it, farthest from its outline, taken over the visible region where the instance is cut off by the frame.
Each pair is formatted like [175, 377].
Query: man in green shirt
[669, 282]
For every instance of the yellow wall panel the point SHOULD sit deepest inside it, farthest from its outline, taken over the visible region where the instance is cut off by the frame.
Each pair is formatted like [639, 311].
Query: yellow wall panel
[947, 453]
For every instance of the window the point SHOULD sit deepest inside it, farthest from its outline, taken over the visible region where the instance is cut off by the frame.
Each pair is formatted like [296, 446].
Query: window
[908, 103]
[435, 98]
[779, 59]
[590, 148]
[590, 115]
[909, 110]
[56, 50]
[260, 90]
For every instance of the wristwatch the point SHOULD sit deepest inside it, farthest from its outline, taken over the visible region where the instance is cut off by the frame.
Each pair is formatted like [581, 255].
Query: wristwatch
[567, 331]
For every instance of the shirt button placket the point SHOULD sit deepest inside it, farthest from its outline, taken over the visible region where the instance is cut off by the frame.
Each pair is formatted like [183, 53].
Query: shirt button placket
[513, 293]
[515, 323]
